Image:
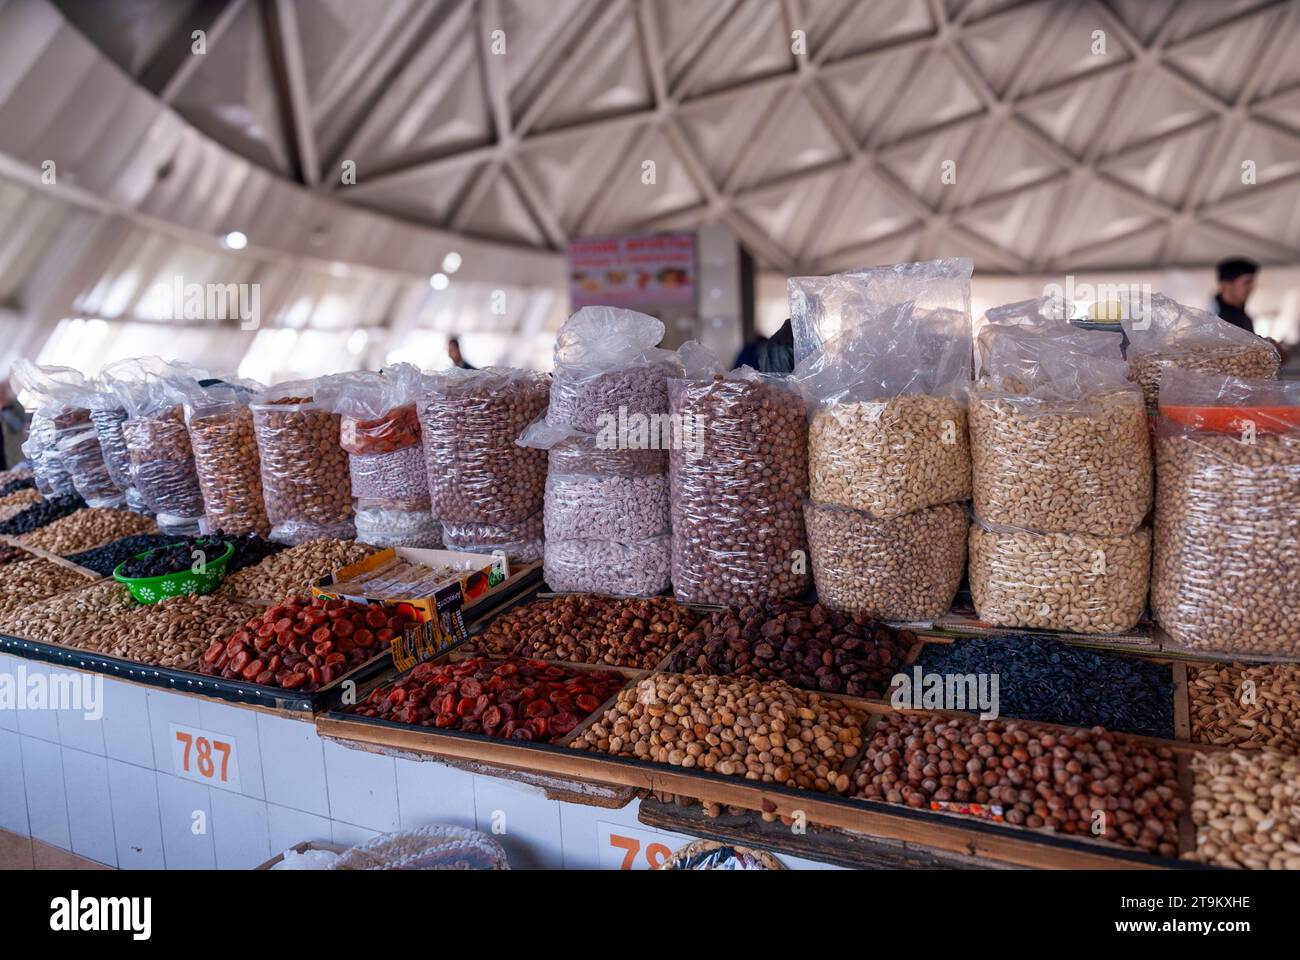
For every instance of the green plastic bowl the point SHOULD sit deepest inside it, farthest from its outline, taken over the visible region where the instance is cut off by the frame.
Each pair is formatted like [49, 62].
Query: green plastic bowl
[153, 589]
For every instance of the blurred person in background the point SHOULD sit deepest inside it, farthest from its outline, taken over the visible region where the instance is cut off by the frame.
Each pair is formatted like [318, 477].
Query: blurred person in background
[1237, 277]
[13, 422]
[776, 354]
[457, 358]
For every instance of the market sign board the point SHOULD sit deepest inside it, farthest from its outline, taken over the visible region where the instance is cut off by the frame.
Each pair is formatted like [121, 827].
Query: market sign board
[657, 269]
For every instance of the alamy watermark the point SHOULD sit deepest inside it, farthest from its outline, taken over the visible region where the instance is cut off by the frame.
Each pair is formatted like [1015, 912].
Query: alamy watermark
[1130, 301]
[651, 431]
[179, 300]
[946, 691]
[21, 690]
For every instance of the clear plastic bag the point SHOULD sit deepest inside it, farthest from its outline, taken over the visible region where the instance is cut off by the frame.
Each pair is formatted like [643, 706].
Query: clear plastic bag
[60, 407]
[900, 568]
[1226, 575]
[305, 478]
[108, 420]
[1076, 582]
[588, 507]
[889, 432]
[469, 421]
[607, 364]
[379, 427]
[520, 542]
[738, 481]
[570, 452]
[84, 461]
[1059, 437]
[1173, 335]
[385, 527]
[434, 847]
[625, 569]
[226, 458]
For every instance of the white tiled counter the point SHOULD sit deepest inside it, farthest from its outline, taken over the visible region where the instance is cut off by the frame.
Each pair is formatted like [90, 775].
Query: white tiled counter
[114, 790]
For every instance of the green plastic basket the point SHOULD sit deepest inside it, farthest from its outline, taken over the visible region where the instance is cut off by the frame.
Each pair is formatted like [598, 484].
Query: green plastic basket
[153, 589]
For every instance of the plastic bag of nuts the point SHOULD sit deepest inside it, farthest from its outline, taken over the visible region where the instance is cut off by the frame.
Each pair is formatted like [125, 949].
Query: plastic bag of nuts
[903, 568]
[226, 460]
[607, 365]
[305, 478]
[85, 463]
[1059, 437]
[738, 479]
[398, 528]
[59, 399]
[640, 568]
[469, 421]
[519, 542]
[588, 507]
[1077, 582]
[1171, 335]
[1226, 575]
[108, 419]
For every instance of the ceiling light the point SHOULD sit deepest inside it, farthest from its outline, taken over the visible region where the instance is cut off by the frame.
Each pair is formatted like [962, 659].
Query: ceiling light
[439, 281]
[451, 262]
[234, 240]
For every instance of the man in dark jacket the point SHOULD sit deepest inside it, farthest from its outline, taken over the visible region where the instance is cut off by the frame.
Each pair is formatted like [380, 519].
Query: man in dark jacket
[777, 354]
[1236, 284]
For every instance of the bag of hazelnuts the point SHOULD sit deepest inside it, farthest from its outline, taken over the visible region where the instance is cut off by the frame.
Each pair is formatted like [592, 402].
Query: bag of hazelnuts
[226, 457]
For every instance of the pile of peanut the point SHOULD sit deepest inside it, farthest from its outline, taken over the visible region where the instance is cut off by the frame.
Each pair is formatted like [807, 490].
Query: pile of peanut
[1236, 705]
[1250, 361]
[1059, 581]
[760, 730]
[17, 502]
[1081, 466]
[86, 529]
[29, 581]
[1246, 807]
[890, 457]
[294, 570]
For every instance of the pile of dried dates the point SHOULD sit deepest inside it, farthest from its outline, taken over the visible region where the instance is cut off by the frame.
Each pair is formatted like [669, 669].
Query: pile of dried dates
[513, 698]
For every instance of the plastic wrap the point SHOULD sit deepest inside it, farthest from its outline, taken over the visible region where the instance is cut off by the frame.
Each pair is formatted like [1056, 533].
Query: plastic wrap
[1173, 335]
[59, 403]
[157, 442]
[589, 507]
[384, 527]
[585, 454]
[1226, 574]
[380, 429]
[607, 365]
[901, 568]
[469, 421]
[434, 847]
[108, 420]
[640, 568]
[226, 459]
[1077, 582]
[738, 481]
[888, 432]
[305, 479]
[520, 542]
[1059, 437]
[1046, 312]
[81, 455]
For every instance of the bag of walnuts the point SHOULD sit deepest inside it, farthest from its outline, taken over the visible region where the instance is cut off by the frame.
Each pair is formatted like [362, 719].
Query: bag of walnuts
[1169, 335]
[1226, 575]
[1059, 437]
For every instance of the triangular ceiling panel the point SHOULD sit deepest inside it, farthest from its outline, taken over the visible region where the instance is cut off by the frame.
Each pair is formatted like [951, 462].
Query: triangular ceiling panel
[1014, 163]
[936, 94]
[871, 25]
[1014, 223]
[1099, 213]
[612, 80]
[1071, 54]
[531, 30]
[1163, 169]
[806, 143]
[1284, 110]
[867, 91]
[751, 42]
[1273, 155]
[1221, 61]
[679, 24]
[628, 201]
[502, 215]
[899, 248]
[863, 211]
[429, 198]
[576, 168]
[720, 128]
[1074, 114]
[788, 211]
[1142, 247]
[919, 164]
[231, 94]
[1263, 216]
[132, 33]
[1144, 17]
[1000, 44]
[1195, 18]
[1205, 244]
[1162, 108]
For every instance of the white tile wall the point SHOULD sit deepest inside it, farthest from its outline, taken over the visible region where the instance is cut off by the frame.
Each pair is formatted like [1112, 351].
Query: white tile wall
[127, 734]
[239, 726]
[47, 801]
[289, 826]
[349, 834]
[8, 718]
[293, 764]
[430, 792]
[362, 788]
[240, 831]
[42, 724]
[137, 826]
[90, 819]
[178, 802]
[530, 823]
[13, 795]
[82, 729]
[164, 710]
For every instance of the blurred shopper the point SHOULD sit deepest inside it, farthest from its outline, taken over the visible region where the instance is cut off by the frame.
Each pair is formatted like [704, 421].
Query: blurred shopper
[457, 358]
[1236, 284]
[13, 422]
[751, 353]
[777, 354]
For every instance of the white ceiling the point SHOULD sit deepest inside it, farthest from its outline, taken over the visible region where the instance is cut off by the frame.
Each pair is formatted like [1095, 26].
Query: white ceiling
[1065, 160]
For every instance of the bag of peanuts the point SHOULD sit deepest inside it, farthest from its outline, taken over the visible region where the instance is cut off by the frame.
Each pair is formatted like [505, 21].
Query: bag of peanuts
[1059, 438]
[226, 460]
[380, 430]
[153, 392]
[1226, 574]
[888, 430]
[469, 422]
[306, 482]
[738, 475]
[1169, 334]
[822, 308]
[58, 399]
[607, 365]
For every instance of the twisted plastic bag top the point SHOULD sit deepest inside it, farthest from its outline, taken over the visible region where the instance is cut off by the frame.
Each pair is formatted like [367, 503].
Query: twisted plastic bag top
[597, 339]
[822, 308]
[150, 386]
[435, 847]
[1048, 363]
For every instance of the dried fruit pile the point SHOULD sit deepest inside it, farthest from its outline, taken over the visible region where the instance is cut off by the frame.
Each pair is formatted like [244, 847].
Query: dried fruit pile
[39, 514]
[303, 644]
[173, 558]
[512, 698]
[104, 560]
